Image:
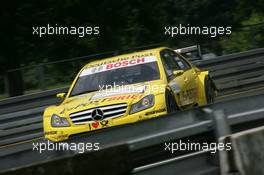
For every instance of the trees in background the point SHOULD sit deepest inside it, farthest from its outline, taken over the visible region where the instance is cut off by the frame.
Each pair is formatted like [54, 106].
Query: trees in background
[123, 24]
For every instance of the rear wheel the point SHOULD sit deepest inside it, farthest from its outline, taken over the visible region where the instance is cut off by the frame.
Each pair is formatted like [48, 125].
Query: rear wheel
[209, 90]
[171, 103]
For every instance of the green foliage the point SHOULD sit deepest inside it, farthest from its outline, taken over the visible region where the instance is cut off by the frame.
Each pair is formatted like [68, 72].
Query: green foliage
[123, 24]
[250, 36]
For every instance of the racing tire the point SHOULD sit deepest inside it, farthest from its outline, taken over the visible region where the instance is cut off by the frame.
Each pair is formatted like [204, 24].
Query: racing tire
[209, 90]
[171, 103]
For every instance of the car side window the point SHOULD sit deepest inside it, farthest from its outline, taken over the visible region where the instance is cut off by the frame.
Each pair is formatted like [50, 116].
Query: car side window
[173, 61]
[183, 64]
[169, 63]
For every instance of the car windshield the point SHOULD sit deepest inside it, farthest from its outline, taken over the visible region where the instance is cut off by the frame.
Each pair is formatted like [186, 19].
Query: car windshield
[89, 82]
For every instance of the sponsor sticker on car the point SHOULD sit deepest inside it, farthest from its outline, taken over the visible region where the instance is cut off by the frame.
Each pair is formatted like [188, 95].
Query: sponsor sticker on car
[118, 65]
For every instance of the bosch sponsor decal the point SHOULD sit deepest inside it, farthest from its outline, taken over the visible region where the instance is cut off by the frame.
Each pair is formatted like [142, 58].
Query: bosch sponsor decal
[127, 63]
[117, 65]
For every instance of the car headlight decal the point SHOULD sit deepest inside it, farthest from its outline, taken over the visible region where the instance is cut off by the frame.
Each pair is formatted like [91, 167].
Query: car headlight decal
[145, 103]
[57, 121]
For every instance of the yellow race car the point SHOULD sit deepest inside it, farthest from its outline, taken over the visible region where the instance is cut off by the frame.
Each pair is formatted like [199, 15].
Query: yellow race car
[125, 89]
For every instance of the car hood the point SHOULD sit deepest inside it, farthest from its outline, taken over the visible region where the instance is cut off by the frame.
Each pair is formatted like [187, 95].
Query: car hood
[126, 94]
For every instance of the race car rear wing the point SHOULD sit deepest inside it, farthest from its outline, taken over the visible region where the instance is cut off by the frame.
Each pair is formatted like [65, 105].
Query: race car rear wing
[192, 53]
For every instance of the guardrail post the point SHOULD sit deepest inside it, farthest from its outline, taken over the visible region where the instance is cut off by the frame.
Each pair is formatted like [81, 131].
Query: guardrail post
[222, 132]
[222, 127]
[220, 122]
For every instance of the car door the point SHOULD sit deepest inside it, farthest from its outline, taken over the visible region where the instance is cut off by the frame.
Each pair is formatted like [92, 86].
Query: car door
[190, 78]
[181, 85]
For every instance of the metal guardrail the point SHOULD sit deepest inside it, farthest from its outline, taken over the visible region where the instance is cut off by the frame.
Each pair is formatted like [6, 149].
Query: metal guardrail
[144, 147]
[47, 97]
[236, 72]
[232, 73]
[21, 126]
[30, 101]
[195, 163]
[47, 75]
[21, 117]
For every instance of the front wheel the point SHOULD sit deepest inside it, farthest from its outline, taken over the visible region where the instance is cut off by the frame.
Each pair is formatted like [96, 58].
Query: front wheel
[171, 103]
[209, 90]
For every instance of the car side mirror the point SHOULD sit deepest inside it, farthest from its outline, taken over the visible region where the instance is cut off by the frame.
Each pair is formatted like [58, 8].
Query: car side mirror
[178, 72]
[61, 95]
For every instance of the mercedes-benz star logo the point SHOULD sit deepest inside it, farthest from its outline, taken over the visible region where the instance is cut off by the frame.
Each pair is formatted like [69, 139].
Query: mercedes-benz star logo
[97, 114]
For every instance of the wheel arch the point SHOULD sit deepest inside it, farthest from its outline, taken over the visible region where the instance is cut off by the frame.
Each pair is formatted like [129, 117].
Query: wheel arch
[170, 91]
[201, 89]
